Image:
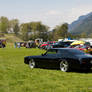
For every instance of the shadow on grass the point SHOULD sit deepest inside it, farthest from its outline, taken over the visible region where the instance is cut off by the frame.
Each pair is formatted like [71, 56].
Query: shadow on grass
[72, 71]
[82, 71]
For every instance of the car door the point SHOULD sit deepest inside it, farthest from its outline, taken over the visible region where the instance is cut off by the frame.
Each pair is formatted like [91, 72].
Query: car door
[48, 59]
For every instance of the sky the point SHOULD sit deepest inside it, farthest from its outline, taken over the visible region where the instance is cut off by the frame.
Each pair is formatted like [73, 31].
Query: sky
[49, 12]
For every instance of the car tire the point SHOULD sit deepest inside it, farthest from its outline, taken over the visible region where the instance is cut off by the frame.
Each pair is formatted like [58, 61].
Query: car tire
[64, 66]
[32, 64]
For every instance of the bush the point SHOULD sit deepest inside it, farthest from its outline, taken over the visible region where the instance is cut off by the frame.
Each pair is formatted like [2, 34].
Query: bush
[1, 34]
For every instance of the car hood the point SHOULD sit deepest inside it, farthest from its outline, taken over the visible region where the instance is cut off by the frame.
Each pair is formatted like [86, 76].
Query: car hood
[84, 56]
[37, 56]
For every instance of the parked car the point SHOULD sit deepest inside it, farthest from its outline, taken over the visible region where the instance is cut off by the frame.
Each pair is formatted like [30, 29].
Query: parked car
[43, 45]
[63, 58]
[62, 44]
[47, 45]
[85, 48]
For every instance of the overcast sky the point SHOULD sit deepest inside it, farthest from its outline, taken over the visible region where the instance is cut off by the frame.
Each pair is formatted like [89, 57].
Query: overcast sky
[50, 12]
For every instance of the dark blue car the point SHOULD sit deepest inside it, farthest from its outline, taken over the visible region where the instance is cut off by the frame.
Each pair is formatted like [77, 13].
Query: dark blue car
[63, 58]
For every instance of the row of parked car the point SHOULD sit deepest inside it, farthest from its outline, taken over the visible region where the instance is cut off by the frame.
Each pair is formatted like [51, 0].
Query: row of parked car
[54, 44]
[81, 45]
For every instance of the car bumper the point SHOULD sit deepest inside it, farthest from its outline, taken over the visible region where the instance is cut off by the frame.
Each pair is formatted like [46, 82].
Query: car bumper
[86, 63]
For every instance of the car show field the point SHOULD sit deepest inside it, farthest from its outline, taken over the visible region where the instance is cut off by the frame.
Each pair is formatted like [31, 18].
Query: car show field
[46, 46]
[15, 76]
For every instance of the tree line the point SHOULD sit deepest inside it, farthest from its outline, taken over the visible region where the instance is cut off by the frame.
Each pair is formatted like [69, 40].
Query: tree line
[33, 30]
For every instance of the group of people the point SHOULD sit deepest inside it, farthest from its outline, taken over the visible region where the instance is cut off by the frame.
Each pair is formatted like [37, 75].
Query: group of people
[2, 43]
[17, 45]
[29, 44]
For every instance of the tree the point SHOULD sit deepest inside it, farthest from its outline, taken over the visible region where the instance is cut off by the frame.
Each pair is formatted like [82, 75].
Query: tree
[90, 35]
[34, 30]
[4, 24]
[83, 35]
[39, 30]
[42, 31]
[16, 29]
[14, 26]
[60, 31]
[24, 31]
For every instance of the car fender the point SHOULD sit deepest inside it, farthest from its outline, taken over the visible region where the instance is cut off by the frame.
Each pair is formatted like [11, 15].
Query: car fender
[74, 62]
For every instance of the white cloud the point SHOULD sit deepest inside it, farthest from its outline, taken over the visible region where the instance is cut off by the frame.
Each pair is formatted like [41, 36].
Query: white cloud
[74, 13]
[56, 17]
[53, 12]
[50, 18]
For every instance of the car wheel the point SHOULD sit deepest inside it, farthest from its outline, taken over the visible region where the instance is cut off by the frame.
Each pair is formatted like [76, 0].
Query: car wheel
[32, 63]
[64, 66]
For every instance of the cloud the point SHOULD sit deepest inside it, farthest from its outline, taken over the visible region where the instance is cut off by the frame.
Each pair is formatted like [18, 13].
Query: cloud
[50, 18]
[55, 17]
[52, 12]
[78, 11]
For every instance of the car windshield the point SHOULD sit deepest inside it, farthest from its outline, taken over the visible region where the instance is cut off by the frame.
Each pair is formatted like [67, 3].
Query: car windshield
[75, 51]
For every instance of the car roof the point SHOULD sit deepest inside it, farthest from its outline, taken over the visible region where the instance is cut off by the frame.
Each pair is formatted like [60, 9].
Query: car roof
[67, 49]
[63, 48]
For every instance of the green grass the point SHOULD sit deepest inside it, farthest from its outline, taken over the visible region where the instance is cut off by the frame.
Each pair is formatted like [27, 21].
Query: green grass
[15, 76]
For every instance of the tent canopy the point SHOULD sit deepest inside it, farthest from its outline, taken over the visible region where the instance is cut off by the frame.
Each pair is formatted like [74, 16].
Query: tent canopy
[77, 42]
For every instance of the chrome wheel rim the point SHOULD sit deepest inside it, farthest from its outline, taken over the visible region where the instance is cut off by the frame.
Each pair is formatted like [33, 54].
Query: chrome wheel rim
[64, 66]
[31, 63]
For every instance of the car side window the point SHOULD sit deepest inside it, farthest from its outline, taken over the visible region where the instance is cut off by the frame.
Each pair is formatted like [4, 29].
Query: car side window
[62, 52]
[52, 52]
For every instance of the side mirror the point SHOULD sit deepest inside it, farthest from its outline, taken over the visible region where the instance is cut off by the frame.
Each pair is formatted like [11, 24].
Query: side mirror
[42, 54]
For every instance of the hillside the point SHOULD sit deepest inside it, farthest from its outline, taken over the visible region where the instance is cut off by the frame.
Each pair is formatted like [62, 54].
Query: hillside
[83, 24]
[10, 38]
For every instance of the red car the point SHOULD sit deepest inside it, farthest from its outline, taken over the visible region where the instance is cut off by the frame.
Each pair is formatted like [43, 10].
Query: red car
[84, 48]
[46, 45]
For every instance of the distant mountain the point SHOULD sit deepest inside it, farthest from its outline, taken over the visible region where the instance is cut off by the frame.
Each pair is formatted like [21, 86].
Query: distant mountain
[82, 25]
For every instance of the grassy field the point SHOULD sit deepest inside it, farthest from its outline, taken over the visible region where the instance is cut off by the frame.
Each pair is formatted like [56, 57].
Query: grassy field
[15, 76]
